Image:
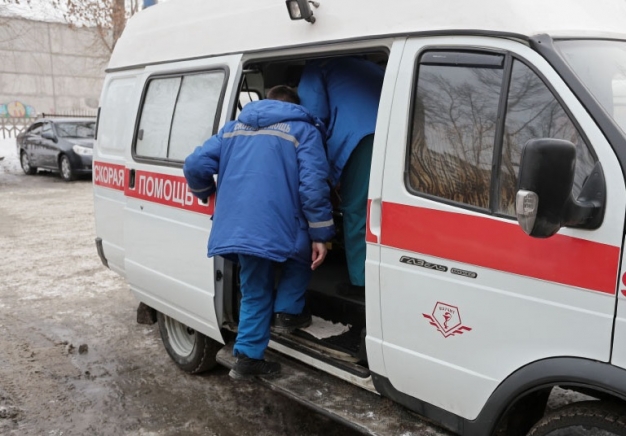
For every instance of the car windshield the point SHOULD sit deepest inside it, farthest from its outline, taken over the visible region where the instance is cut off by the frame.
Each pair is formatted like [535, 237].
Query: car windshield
[81, 129]
[601, 65]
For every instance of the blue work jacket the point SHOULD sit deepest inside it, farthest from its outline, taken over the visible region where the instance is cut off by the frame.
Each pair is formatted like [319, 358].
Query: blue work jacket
[344, 93]
[272, 188]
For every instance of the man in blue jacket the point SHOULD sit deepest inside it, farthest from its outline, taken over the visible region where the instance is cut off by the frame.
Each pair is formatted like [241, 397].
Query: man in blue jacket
[344, 93]
[272, 206]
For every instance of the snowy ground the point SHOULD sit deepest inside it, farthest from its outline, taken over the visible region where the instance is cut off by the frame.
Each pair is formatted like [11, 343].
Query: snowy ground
[55, 295]
[11, 163]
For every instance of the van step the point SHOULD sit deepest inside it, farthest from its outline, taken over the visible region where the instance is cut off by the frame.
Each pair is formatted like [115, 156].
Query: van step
[344, 362]
[352, 406]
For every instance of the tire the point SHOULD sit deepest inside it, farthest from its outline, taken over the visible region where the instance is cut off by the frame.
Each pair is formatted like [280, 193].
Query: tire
[25, 163]
[588, 418]
[190, 350]
[65, 168]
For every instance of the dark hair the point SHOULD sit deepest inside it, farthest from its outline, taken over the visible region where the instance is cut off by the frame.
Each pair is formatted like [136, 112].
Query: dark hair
[283, 93]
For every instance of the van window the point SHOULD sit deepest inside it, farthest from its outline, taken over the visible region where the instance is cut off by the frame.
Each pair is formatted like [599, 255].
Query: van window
[156, 117]
[455, 140]
[178, 114]
[533, 112]
[605, 76]
[114, 119]
[454, 128]
[194, 118]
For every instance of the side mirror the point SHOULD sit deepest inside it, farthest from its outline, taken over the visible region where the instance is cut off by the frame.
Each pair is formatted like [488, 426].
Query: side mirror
[49, 135]
[544, 201]
[301, 10]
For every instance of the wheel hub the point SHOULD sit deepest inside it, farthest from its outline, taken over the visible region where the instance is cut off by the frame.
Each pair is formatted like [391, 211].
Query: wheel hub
[25, 164]
[182, 338]
[65, 168]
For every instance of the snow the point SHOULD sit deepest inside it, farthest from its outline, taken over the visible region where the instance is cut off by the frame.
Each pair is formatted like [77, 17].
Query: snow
[42, 10]
[11, 163]
[39, 10]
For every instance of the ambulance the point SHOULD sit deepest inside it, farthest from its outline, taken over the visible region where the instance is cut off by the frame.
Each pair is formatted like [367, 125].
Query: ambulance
[497, 200]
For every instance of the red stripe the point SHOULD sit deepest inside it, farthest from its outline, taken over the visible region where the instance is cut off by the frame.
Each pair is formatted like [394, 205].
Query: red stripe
[109, 175]
[489, 243]
[369, 236]
[154, 187]
[167, 190]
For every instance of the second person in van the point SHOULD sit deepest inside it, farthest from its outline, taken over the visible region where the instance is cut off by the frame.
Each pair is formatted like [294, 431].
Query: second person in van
[344, 93]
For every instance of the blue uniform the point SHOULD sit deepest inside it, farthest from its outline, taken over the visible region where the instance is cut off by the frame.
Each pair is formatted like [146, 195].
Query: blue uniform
[272, 200]
[344, 93]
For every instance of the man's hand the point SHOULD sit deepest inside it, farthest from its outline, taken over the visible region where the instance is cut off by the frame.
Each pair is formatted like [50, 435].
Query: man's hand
[319, 254]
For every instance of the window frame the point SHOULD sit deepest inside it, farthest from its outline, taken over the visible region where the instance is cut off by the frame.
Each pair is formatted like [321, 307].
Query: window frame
[51, 127]
[34, 127]
[494, 190]
[182, 74]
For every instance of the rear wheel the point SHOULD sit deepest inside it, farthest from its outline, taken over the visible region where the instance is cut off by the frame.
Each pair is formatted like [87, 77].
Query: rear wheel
[190, 350]
[589, 418]
[25, 162]
[65, 168]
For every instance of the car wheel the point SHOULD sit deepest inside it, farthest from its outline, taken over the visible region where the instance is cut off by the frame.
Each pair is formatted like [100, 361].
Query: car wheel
[588, 418]
[25, 162]
[190, 350]
[65, 168]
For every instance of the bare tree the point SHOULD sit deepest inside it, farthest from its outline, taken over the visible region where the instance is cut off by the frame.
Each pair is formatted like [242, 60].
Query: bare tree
[108, 17]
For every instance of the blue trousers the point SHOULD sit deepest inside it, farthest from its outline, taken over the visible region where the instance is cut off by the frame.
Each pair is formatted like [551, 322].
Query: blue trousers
[258, 303]
[355, 180]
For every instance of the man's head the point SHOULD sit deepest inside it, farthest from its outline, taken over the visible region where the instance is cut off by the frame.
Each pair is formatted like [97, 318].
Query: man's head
[283, 93]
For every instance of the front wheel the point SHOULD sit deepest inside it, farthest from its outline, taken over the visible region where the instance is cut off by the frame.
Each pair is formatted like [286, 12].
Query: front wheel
[65, 168]
[588, 418]
[190, 350]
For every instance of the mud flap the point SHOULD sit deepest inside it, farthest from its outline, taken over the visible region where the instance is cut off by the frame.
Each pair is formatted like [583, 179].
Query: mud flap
[146, 314]
[350, 405]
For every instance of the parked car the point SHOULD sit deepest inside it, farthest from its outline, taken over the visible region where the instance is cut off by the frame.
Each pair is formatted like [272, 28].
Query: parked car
[60, 144]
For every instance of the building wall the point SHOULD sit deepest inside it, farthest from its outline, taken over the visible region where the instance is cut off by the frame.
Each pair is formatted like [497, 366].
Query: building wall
[49, 68]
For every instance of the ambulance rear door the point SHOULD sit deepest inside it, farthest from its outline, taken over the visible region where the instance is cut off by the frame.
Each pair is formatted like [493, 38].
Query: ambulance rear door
[114, 135]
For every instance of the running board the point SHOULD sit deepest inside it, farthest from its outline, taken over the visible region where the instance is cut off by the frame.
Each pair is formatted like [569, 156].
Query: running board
[350, 405]
[342, 361]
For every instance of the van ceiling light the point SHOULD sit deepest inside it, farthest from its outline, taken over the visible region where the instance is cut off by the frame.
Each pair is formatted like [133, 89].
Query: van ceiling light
[300, 10]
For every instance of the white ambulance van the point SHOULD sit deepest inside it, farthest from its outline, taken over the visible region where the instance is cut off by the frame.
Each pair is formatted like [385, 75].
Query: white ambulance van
[496, 207]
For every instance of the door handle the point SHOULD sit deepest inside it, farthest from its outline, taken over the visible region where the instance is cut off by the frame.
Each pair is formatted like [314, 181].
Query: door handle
[374, 219]
[131, 179]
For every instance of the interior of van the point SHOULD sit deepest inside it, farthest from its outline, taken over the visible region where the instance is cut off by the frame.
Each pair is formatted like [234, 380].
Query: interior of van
[337, 334]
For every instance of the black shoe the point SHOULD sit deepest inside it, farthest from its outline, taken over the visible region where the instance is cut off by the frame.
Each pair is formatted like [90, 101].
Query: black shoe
[287, 323]
[246, 368]
[350, 290]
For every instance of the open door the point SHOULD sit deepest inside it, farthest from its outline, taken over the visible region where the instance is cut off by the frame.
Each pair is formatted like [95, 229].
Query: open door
[165, 227]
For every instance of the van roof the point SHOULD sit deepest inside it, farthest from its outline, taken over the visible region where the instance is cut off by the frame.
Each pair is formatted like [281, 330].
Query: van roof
[188, 29]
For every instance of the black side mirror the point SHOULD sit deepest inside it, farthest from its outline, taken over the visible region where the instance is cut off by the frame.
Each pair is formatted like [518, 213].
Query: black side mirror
[50, 136]
[544, 201]
[300, 10]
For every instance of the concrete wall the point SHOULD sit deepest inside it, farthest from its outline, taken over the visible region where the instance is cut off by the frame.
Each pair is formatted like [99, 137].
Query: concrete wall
[50, 67]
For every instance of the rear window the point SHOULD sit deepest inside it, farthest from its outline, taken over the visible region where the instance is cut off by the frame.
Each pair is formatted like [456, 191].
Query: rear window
[76, 129]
